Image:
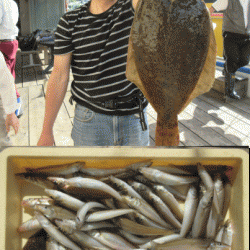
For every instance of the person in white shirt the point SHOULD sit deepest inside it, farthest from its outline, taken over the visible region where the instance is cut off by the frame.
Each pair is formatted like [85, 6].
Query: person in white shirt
[8, 42]
[8, 103]
[236, 38]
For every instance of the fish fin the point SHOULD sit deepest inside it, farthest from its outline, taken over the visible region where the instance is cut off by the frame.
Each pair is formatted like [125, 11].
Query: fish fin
[131, 70]
[207, 76]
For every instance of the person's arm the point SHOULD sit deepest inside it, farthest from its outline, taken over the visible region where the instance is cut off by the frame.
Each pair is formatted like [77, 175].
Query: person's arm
[56, 90]
[8, 96]
[219, 5]
[134, 3]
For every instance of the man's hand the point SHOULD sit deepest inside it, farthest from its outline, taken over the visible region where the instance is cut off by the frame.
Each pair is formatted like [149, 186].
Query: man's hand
[12, 120]
[46, 139]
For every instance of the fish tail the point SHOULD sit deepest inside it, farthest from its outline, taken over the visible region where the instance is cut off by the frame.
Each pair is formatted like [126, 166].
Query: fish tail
[167, 135]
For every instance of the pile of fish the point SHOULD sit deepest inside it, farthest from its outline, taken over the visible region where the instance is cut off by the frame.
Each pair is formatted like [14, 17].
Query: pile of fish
[137, 207]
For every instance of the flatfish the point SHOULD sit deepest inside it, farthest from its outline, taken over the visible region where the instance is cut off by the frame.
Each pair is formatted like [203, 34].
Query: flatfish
[171, 58]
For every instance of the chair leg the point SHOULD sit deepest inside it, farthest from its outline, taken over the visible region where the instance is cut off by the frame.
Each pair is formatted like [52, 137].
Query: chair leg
[35, 75]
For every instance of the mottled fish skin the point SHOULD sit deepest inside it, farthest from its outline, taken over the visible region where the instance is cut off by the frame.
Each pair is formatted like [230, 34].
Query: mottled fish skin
[191, 205]
[169, 43]
[165, 178]
[64, 199]
[54, 232]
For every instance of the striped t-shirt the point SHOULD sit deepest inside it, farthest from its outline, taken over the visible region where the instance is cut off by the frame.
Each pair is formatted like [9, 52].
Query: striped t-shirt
[99, 46]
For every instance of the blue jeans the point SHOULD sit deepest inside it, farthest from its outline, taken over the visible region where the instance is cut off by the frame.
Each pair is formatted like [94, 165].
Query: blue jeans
[94, 129]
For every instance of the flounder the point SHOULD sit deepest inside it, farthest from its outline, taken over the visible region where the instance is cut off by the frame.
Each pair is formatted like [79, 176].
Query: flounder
[171, 58]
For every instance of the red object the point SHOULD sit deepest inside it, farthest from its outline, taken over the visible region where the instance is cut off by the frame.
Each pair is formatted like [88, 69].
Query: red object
[217, 14]
[9, 50]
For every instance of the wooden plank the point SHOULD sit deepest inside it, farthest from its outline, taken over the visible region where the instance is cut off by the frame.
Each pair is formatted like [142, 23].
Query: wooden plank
[216, 114]
[236, 134]
[246, 142]
[208, 134]
[62, 127]
[240, 123]
[36, 114]
[241, 105]
[234, 111]
[22, 137]
[189, 138]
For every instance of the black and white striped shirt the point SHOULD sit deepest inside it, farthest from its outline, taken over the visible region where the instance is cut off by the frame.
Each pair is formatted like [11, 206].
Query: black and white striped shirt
[99, 45]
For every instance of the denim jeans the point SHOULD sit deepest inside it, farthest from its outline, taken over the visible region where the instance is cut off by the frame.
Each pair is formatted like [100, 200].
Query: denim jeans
[94, 129]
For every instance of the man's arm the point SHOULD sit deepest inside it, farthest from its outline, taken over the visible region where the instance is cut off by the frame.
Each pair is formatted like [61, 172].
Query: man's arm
[56, 90]
[219, 5]
[135, 2]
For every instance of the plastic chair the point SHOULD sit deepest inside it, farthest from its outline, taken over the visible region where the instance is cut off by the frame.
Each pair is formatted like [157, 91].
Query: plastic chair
[31, 62]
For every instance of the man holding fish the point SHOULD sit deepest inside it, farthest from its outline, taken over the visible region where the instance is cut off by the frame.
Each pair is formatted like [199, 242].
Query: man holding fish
[164, 51]
[110, 110]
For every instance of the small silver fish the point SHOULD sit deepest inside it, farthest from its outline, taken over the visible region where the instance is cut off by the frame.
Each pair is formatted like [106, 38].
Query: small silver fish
[54, 232]
[191, 205]
[165, 178]
[82, 212]
[87, 183]
[59, 170]
[64, 199]
[145, 209]
[112, 240]
[55, 212]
